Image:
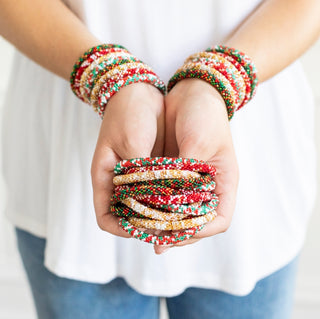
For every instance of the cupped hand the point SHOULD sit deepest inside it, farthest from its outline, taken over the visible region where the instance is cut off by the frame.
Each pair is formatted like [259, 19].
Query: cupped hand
[133, 126]
[197, 127]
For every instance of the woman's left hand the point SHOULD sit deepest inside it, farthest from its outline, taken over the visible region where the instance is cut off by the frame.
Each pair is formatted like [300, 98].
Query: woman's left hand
[197, 127]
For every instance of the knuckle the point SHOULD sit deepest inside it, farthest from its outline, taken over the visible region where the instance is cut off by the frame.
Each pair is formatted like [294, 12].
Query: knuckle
[135, 145]
[95, 170]
[195, 143]
[101, 165]
[224, 229]
[225, 226]
[101, 224]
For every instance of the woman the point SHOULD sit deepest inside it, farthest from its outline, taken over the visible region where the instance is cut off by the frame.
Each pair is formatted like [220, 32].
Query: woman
[77, 270]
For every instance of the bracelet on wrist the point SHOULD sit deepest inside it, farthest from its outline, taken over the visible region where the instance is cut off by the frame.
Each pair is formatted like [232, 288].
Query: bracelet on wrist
[104, 69]
[228, 70]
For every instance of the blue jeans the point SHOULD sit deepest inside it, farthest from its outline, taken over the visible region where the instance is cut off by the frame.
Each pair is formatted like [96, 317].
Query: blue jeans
[61, 298]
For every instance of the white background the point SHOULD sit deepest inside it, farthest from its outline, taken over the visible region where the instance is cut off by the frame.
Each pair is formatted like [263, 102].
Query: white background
[15, 299]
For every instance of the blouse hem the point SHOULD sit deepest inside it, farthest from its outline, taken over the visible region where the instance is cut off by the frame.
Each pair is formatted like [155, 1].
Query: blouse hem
[165, 289]
[35, 228]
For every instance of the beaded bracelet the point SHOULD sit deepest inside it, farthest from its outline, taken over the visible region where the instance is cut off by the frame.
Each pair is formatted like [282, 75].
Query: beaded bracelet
[158, 240]
[245, 78]
[195, 209]
[187, 198]
[132, 207]
[230, 71]
[244, 60]
[203, 183]
[150, 212]
[172, 225]
[125, 191]
[226, 68]
[87, 63]
[164, 187]
[117, 72]
[99, 67]
[153, 175]
[121, 210]
[195, 167]
[125, 211]
[154, 196]
[87, 55]
[178, 162]
[103, 70]
[110, 81]
[210, 75]
[145, 78]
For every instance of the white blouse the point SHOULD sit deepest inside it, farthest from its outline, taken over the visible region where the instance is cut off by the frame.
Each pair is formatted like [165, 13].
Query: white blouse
[49, 139]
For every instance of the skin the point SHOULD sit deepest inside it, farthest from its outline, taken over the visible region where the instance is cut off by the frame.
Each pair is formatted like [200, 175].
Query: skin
[194, 125]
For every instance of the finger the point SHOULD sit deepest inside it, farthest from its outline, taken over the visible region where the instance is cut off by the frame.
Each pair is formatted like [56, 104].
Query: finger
[160, 249]
[222, 222]
[158, 148]
[102, 175]
[170, 144]
[186, 242]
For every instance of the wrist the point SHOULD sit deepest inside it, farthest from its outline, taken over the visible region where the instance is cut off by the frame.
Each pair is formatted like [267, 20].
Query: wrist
[194, 88]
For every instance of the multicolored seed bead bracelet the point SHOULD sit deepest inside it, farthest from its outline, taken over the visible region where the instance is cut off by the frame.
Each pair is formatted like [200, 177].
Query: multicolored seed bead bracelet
[151, 175]
[230, 71]
[151, 163]
[172, 225]
[149, 212]
[166, 194]
[188, 197]
[243, 59]
[158, 240]
[103, 70]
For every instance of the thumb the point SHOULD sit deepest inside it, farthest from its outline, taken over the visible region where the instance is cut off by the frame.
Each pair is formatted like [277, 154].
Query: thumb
[102, 174]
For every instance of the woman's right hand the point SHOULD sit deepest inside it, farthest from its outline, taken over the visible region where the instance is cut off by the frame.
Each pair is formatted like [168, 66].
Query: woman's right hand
[133, 126]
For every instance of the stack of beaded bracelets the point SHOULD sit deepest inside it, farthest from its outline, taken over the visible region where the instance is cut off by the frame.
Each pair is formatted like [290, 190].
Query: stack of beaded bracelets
[167, 194]
[230, 71]
[103, 70]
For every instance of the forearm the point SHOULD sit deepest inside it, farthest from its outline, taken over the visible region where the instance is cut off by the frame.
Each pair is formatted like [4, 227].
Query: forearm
[46, 31]
[277, 33]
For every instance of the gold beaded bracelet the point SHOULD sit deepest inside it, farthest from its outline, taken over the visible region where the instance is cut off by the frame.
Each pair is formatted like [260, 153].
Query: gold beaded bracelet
[151, 212]
[151, 175]
[172, 225]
